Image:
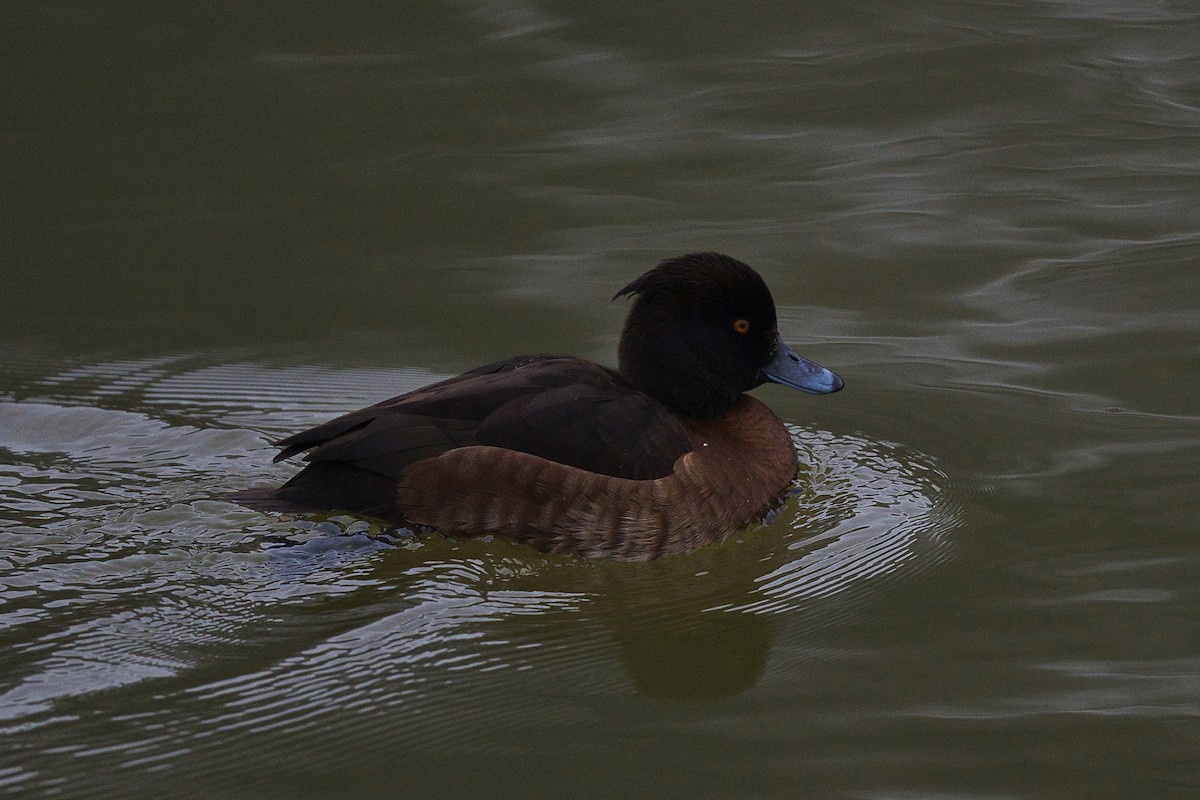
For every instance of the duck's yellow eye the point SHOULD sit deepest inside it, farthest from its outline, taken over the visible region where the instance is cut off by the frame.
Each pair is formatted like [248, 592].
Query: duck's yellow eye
[742, 326]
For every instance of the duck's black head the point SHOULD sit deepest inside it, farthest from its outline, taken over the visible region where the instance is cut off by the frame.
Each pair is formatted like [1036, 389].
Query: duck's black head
[702, 331]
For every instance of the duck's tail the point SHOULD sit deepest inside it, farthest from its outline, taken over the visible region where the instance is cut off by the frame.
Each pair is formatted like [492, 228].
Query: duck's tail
[266, 498]
[325, 486]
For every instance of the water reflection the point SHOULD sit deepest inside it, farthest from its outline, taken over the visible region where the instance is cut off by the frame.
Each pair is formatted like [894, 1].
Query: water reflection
[714, 657]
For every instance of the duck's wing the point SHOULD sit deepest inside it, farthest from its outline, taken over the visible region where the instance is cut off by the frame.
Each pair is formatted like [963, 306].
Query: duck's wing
[455, 396]
[563, 409]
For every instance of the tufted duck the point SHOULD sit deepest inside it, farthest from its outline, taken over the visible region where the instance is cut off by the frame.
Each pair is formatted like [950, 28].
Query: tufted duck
[661, 457]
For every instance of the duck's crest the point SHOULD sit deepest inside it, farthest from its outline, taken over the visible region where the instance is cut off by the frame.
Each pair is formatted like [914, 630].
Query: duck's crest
[703, 273]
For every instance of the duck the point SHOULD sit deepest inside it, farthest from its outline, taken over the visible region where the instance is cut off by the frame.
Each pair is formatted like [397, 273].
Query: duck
[662, 456]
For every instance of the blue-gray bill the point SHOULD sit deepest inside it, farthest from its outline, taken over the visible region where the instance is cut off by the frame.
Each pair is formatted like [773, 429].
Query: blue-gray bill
[792, 369]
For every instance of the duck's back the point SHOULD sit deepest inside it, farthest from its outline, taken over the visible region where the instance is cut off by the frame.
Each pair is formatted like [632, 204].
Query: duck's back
[559, 409]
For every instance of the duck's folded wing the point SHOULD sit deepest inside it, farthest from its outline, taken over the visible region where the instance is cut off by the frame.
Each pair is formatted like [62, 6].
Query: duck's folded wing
[559, 408]
[473, 384]
[624, 434]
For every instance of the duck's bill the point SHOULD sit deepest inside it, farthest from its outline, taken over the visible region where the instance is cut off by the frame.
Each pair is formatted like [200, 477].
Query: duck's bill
[792, 369]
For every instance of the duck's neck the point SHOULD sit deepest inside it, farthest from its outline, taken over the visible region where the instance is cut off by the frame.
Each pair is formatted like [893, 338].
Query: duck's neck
[693, 395]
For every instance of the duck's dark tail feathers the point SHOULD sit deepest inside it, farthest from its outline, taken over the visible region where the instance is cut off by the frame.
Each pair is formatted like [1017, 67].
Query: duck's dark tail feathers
[327, 486]
[266, 498]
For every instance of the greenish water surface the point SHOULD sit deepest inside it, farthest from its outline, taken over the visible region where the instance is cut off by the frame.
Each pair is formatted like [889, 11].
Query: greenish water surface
[222, 224]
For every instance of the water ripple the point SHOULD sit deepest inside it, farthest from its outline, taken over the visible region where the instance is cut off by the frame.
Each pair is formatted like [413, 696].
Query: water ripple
[135, 572]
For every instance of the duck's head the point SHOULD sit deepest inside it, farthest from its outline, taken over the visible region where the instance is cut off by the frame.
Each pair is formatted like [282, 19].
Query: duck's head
[702, 331]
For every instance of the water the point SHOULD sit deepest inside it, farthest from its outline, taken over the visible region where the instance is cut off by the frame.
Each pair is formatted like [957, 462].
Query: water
[221, 228]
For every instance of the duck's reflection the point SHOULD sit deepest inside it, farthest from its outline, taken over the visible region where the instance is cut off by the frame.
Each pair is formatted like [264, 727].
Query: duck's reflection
[710, 656]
